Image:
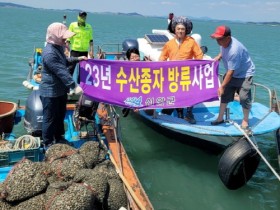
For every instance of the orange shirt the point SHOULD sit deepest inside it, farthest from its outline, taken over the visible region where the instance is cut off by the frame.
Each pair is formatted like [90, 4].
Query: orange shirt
[188, 49]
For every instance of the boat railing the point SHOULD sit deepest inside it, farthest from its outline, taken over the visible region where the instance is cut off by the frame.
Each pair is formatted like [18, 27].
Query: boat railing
[274, 104]
[31, 67]
[111, 51]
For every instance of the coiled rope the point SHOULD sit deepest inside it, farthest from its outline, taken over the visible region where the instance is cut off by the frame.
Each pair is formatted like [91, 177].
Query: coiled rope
[23, 142]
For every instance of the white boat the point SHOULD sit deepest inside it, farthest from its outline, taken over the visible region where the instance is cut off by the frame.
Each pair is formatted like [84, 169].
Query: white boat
[261, 115]
[241, 145]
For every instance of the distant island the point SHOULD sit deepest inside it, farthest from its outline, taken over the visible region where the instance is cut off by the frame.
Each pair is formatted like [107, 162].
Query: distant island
[4, 4]
[12, 5]
[266, 23]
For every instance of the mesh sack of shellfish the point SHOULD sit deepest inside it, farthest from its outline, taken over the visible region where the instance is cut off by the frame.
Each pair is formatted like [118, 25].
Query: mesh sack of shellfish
[34, 203]
[56, 188]
[116, 197]
[75, 197]
[4, 205]
[25, 180]
[66, 168]
[90, 150]
[58, 151]
[81, 175]
[97, 182]
[107, 168]
[1, 187]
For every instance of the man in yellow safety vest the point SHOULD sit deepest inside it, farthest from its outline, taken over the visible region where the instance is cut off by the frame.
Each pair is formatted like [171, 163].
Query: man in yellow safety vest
[82, 43]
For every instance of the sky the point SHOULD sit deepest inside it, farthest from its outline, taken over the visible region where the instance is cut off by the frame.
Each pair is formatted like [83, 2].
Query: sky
[243, 10]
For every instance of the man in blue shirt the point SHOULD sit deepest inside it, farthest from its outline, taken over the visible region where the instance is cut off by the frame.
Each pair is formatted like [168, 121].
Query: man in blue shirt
[239, 74]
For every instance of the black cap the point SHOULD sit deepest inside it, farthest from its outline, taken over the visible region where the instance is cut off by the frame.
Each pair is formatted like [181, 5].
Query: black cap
[83, 13]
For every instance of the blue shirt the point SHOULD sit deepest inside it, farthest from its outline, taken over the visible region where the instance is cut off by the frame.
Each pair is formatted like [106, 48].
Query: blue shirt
[236, 57]
[56, 79]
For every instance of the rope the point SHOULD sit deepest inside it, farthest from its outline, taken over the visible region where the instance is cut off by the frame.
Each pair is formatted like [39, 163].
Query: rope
[244, 133]
[26, 142]
[5, 146]
[23, 142]
[255, 147]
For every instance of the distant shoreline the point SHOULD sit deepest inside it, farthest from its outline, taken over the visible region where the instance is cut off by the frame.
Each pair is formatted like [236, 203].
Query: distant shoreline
[12, 5]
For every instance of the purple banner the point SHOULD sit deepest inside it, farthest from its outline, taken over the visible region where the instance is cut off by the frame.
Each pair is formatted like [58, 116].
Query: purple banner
[151, 85]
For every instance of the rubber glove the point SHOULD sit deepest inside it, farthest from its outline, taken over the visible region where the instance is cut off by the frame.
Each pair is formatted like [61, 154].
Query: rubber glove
[78, 90]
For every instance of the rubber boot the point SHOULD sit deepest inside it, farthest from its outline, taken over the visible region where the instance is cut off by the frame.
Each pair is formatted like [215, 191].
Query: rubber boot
[190, 116]
[180, 112]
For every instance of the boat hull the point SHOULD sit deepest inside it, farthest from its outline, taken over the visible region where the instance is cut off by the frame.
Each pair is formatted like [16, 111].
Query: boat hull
[224, 134]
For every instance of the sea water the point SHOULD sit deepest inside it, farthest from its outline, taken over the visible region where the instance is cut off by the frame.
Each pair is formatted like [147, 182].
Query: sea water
[175, 176]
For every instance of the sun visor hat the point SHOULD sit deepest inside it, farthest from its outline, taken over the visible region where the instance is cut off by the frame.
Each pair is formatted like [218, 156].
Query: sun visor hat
[67, 34]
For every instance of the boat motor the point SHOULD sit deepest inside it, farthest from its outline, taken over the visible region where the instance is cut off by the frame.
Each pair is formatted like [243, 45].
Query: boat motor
[129, 43]
[33, 117]
[84, 112]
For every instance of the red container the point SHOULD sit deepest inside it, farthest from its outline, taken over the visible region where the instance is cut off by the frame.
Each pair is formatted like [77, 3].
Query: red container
[7, 113]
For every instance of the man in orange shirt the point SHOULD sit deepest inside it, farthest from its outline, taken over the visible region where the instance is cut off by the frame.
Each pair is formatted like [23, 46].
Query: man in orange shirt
[182, 47]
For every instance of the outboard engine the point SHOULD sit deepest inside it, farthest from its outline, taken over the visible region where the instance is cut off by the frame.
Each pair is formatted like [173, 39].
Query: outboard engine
[84, 112]
[33, 117]
[129, 43]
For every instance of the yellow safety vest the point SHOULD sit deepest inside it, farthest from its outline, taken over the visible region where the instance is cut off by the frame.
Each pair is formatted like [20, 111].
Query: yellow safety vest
[80, 42]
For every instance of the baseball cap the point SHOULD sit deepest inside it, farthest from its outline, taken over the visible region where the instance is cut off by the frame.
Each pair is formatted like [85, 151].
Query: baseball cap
[82, 13]
[221, 31]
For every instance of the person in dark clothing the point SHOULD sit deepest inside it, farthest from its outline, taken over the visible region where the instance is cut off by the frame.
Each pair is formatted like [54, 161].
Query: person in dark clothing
[56, 82]
[170, 19]
[133, 54]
